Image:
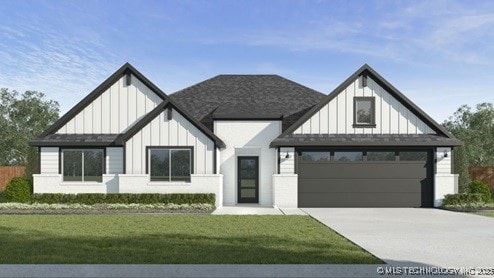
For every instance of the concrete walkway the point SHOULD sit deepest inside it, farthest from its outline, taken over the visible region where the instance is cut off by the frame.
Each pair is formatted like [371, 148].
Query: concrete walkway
[256, 210]
[405, 236]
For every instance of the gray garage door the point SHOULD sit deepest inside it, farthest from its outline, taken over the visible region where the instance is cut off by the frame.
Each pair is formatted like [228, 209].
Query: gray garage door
[333, 178]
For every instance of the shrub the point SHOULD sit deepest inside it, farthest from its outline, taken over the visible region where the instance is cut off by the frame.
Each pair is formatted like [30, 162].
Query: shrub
[113, 207]
[91, 199]
[463, 200]
[19, 190]
[481, 187]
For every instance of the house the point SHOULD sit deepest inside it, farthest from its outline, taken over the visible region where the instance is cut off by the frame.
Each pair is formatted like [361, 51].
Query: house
[259, 139]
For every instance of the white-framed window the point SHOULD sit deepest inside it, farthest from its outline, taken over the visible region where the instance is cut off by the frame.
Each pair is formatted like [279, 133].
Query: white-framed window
[167, 164]
[82, 165]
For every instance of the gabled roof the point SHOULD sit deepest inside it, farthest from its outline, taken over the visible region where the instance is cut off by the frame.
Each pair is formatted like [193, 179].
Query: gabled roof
[126, 68]
[48, 138]
[252, 97]
[365, 70]
[155, 113]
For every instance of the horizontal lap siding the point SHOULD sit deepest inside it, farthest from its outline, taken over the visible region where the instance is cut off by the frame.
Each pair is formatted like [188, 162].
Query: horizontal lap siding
[114, 111]
[443, 165]
[391, 117]
[114, 160]
[175, 132]
[49, 161]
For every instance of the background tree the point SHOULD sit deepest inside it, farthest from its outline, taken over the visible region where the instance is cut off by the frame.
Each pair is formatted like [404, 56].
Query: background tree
[22, 118]
[476, 130]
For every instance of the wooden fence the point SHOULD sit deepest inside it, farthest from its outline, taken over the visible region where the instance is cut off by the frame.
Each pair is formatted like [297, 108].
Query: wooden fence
[485, 174]
[9, 172]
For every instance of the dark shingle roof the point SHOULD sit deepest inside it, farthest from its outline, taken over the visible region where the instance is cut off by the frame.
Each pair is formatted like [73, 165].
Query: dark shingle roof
[365, 140]
[247, 96]
[75, 140]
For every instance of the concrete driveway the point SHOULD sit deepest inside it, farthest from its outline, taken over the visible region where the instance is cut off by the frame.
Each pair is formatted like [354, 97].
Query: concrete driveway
[413, 236]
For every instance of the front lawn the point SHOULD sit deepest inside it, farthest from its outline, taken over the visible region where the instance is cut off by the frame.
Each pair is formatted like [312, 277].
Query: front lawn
[489, 213]
[173, 239]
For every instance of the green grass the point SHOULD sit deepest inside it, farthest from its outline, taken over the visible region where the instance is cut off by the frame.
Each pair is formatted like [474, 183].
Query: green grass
[489, 213]
[173, 239]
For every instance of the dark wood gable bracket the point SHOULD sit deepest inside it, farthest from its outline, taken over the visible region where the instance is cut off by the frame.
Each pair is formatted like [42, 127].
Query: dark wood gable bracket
[128, 70]
[128, 78]
[366, 71]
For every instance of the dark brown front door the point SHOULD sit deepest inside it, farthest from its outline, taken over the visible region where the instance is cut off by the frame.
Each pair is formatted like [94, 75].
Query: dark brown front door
[248, 179]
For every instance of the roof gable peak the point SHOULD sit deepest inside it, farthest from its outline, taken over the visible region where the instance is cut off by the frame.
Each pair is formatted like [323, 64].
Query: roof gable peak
[367, 70]
[125, 69]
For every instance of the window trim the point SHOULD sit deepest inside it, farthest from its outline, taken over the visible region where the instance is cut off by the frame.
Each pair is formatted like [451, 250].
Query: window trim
[373, 112]
[148, 157]
[79, 148]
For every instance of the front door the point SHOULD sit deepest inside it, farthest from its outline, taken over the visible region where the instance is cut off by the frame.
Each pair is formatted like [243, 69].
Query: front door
[248, 179]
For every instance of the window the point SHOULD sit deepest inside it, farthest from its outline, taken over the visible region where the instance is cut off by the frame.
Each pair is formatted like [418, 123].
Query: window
[380, 156]
[364, 112]
[170, 164]
[348, 156]
[315, 156]
[413, 156]
[82, 165]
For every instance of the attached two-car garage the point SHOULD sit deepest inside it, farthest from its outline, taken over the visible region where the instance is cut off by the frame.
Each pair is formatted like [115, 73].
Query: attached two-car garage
[364, 178]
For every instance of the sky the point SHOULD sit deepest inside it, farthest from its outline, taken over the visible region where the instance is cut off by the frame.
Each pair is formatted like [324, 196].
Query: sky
[440, 54]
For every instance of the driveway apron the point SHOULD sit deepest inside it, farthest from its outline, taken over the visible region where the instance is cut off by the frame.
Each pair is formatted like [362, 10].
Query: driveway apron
[414, 236]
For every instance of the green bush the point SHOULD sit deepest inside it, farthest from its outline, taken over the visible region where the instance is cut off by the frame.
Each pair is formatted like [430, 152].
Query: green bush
[19, 190]
[470, 199]
[481, 187]
[91, 199]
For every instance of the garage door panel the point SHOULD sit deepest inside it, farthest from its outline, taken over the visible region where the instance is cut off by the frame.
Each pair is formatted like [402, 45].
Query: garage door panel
[362, 185]
[365, 183]
[360, 199]
[362, 170]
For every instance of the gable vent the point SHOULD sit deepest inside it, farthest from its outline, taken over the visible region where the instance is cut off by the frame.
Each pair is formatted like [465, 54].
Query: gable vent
[364, 80]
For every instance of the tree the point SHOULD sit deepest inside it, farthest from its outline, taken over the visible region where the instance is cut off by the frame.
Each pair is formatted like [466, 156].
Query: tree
[22, 118]
[476, 130]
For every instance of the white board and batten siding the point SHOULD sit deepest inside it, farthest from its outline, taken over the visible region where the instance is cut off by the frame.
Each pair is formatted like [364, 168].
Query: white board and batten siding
[391, 117]
[175, 132]
[114, 111]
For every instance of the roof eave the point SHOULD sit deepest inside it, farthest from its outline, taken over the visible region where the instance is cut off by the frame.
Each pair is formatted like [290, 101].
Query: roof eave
[275, 144]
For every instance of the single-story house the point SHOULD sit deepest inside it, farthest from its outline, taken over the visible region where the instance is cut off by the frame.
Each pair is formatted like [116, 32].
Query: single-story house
[259, 139]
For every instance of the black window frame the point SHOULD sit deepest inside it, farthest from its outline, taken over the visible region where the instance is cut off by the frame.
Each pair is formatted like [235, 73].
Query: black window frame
[373, 112]
[189, 148]
[80, 148]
